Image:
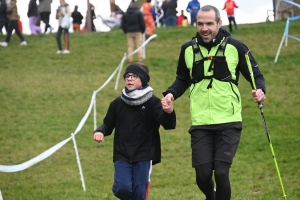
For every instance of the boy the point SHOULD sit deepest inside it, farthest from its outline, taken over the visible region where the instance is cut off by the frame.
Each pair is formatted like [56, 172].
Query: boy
[136, 116]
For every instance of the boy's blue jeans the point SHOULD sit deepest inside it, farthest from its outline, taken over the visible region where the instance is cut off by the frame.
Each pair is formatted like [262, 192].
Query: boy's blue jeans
[132, 180]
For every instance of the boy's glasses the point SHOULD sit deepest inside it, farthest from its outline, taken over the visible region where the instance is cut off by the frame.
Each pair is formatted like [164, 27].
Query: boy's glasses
[133, 76]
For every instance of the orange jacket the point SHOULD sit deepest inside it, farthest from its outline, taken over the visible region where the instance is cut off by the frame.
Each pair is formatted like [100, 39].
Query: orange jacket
[229, 6]
[146, 7]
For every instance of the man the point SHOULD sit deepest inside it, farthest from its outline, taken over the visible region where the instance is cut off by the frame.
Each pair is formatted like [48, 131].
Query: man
[229, 6]
[215, 101]
[193, 7]
[133, 25]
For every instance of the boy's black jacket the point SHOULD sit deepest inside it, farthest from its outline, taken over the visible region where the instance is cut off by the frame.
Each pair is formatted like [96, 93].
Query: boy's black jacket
[136, 129]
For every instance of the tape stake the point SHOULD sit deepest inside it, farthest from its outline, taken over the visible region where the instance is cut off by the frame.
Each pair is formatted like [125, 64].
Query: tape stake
[1, 198]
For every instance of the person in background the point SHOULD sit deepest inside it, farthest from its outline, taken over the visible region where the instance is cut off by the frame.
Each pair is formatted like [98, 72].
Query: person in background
[3, 16]
[163, 10]
[115, 10]
[149, 22]
[193, 7]
[133, 25]
[229, 6]
[13, 17]
[92, 17]
[180, 18]
[62, 10]
[114, 20]
[210, 65]
[156, 12]
[171, 13]
[33, 16]
[136, 116]
[77, 19]
[185, 22]
[44, 10]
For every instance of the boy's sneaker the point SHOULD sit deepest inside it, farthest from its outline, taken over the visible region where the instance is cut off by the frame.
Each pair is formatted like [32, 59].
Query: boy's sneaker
[24, 43]
[3, 44]
[59, 52]
[214, 196]
[66, 51]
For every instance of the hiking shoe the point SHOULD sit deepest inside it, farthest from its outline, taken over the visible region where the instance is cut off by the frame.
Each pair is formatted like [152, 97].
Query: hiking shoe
[24, 43]
[66, 51]
[59, 52]
[214, 196]
[3, 44]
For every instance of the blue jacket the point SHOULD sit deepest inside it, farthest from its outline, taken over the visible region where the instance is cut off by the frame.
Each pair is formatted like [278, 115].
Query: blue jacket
[193, 8]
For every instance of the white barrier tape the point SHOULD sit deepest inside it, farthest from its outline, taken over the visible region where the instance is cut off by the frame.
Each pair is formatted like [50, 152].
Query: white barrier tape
[33, 161]
[120, 70]
[108, 80]
[1, 198]
[83, 120]
[78, 162]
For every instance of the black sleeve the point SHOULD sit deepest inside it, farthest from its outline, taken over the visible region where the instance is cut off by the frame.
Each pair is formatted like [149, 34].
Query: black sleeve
[142, 22]
[109, 120]
[181, 83]
[167, 120]
[243, 67]
[123, 23]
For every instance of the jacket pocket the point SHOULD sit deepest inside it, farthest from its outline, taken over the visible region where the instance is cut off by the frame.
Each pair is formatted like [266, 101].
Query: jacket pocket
[221, 71]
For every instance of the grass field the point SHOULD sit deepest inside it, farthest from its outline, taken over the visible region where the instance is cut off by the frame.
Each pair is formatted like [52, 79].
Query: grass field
[44, 96]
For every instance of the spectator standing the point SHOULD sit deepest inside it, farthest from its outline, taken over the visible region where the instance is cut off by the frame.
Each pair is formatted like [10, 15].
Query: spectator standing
[135, 117]
[171, 13]
[230, 6]
[3, 16]
[33, 17]
[63, 10]
[13, 18]
[92, 17]
[149, 22]
[44, 10]
[180, 18]
[164, 10]
[133, 25]
[77, 19]
[193, 7]
[210, 65]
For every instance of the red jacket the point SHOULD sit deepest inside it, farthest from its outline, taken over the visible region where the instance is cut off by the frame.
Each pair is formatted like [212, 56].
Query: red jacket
[229, 6]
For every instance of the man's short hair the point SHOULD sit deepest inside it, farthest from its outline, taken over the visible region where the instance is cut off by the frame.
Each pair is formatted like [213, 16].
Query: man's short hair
[209, 8]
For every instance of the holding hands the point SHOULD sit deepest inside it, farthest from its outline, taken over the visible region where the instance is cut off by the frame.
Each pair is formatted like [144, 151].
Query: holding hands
[167, 103]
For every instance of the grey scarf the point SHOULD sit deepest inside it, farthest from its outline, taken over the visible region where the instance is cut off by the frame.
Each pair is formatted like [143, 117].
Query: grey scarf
[136, 97]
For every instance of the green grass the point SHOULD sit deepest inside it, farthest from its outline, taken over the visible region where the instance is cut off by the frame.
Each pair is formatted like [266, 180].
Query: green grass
[44, 96]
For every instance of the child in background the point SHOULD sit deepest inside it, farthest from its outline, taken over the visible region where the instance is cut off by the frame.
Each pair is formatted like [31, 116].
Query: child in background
[136, 116]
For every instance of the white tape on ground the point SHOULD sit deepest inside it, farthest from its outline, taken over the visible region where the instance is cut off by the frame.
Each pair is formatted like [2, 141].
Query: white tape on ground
[39, 158]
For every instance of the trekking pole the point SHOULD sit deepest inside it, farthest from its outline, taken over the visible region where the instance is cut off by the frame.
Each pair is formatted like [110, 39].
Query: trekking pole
[265, 124]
